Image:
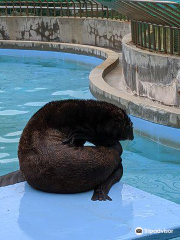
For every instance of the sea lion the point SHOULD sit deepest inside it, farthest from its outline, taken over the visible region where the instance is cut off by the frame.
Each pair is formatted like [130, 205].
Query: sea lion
[51, 150]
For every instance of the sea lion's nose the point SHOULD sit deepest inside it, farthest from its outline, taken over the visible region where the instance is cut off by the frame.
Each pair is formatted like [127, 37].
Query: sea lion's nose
[131, 137]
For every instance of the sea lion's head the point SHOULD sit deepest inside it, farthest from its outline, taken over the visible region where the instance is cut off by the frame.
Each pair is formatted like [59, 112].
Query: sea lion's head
[125, 126]
[120, 127]
[126, 131]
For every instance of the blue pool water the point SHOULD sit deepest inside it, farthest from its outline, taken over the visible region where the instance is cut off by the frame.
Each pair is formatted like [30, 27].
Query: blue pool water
[29, 79]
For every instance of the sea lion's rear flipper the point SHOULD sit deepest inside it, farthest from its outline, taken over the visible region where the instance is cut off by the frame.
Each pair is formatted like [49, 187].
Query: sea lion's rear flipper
[101, 192]
[11, 178]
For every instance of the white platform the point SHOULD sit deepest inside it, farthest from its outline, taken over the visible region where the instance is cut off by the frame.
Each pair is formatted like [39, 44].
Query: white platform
[29, 214]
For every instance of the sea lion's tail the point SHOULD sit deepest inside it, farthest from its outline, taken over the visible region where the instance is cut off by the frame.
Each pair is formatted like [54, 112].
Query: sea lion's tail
[11, 178]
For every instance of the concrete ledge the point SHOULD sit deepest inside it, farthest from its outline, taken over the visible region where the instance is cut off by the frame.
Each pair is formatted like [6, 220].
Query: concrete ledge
[136, 106]
[53, 46]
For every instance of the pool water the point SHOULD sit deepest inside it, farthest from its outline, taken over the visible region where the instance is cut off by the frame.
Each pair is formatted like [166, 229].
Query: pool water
[29, 79]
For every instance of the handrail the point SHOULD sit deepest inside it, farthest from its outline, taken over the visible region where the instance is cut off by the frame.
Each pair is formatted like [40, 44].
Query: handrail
[158, 38]
[69, 8]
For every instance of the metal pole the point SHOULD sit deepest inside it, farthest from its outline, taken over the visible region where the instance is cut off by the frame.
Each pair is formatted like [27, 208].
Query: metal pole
[6, 9]
[159, 38]
[141, 38]
[132, 30]
[61, 10]
[149, 36]
[74, 9]
[47, 8]
[20, 8]
[164, 39]
[111, 13]
[34, 8]
[179, 41]
[107, 13]
[102, 11]
[137, 33]
[144, 30]
[13, 8]
[154, 37]
[171, 41]
[54, 9]
[97, 10]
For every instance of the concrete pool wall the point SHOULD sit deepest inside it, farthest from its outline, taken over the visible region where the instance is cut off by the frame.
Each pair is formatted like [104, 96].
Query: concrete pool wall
[151, 75]
[88, 31]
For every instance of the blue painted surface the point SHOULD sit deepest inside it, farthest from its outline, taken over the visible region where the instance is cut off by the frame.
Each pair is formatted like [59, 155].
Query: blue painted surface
[42, 56]
[157, 132]
[30, 214]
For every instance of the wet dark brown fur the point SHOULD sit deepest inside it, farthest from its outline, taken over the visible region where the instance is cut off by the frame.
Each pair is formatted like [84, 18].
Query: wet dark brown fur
[52, 166]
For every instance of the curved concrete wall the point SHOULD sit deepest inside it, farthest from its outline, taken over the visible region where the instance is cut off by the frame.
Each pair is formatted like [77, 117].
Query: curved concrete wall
[151, 75]
[97, 32]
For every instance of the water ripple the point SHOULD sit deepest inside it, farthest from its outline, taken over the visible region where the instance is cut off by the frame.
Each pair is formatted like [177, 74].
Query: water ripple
[77, 94]
[35, 104]
[5, 140]
[35, 89]
[10, 160]
[2, 155]
[12, 112]
[17, 88]
[13, 134]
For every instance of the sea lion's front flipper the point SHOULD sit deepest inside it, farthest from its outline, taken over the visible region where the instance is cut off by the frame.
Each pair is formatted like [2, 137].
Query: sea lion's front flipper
[11, 178]
[101, 192]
